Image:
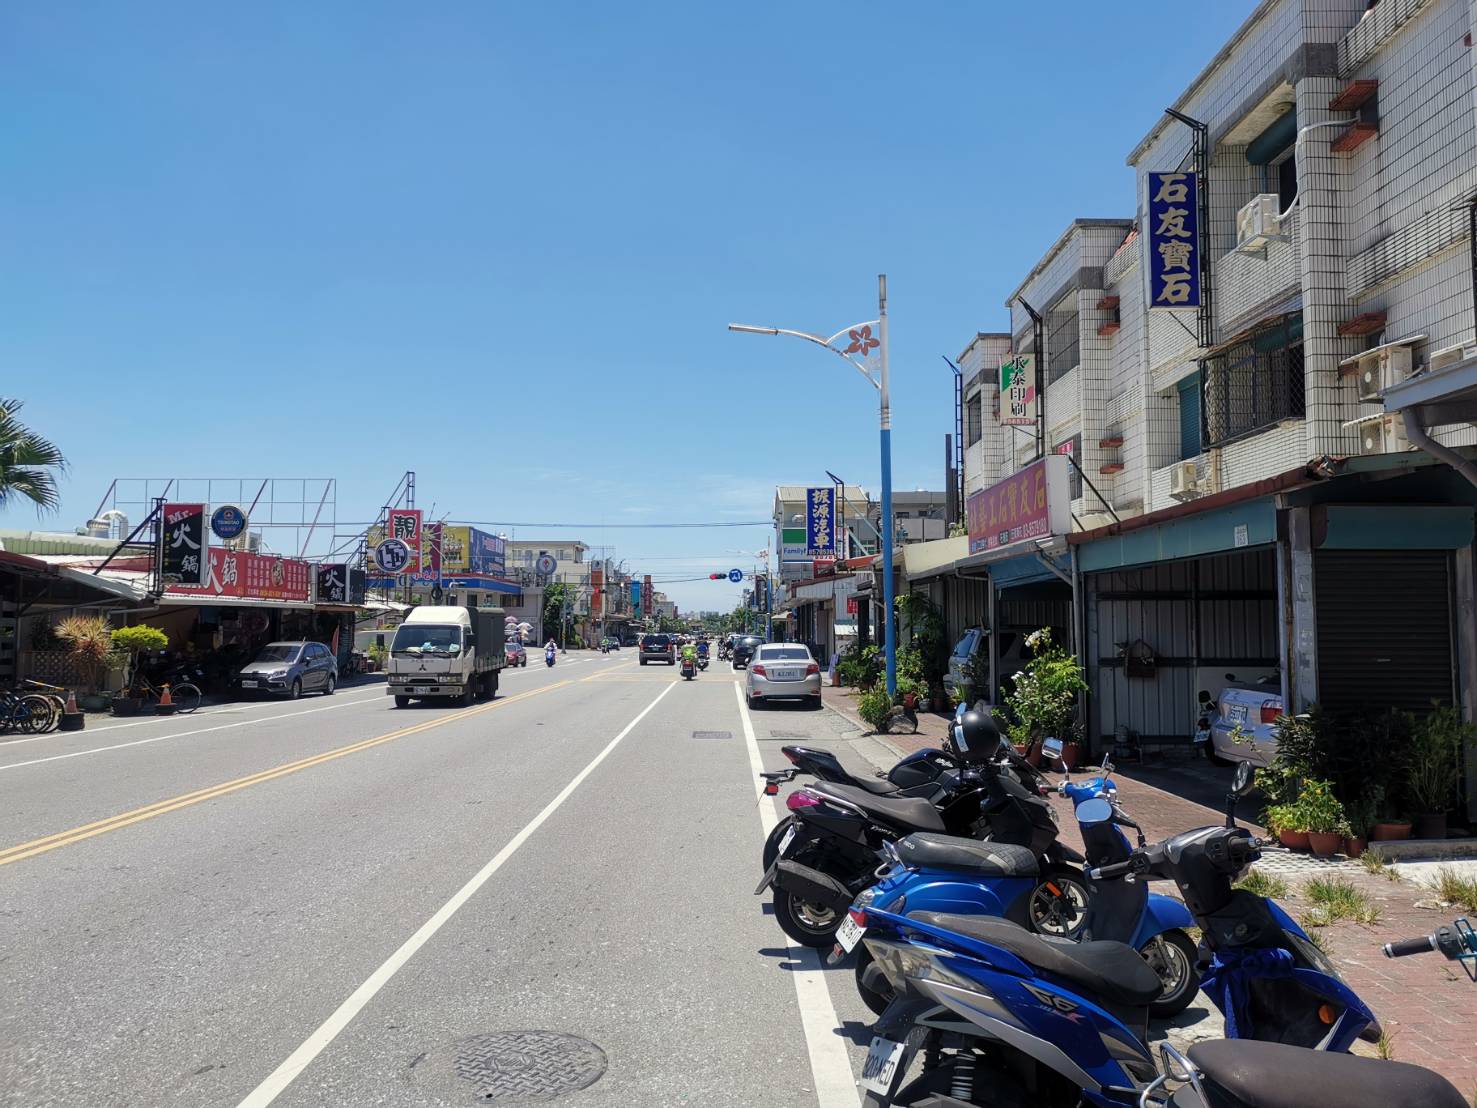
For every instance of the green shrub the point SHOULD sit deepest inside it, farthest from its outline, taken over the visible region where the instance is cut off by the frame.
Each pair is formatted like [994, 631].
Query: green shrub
[1044, 700]
[874, 705]
[141, 637]
[1436, 758]
[860, 667]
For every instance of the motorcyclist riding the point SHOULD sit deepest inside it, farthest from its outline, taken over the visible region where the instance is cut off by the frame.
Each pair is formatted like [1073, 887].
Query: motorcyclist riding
[689, 653]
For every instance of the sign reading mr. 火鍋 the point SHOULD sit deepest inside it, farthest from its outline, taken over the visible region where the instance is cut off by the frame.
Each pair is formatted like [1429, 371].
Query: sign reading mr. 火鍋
[820, 522]
[1032, 504]
[182, 553]
[1174, 241]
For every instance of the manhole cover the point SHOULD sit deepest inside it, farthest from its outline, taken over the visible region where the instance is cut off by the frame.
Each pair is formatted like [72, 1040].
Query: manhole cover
[531, 1065]
[712, 734]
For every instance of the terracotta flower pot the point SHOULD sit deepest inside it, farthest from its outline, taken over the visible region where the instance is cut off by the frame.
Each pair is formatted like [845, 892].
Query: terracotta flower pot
[1071, 755]
[1355, 846]
[1390, 831]
[1430, 825]
[1033, 754]
[1325, 844]
[1293, 840]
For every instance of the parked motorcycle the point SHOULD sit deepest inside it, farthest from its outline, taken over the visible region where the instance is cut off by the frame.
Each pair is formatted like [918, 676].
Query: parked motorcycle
[1028, 1019]
[832, 849]
[937, 874]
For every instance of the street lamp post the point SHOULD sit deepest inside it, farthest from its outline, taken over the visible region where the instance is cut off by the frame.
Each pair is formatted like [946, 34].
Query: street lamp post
[861, 342]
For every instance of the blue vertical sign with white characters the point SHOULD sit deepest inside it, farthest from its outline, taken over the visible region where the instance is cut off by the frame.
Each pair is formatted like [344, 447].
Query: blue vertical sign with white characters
[820, 522]
[636, 597]
[1174, 241]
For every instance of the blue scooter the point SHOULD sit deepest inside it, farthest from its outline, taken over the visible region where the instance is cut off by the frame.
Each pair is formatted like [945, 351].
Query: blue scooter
[1029, 1021]
[938, 873]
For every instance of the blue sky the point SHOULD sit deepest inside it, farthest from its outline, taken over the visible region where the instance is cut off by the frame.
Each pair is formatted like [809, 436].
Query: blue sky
[499, 243]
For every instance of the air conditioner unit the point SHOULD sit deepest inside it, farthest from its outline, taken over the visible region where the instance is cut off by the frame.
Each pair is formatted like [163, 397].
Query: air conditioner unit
[1259, 222]
[1382, 435]
[1369, 379]
[1379, 369]
[1461, 352]
[1184, 481]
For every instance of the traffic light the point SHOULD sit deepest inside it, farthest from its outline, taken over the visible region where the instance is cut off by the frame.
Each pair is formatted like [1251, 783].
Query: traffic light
[717, 577]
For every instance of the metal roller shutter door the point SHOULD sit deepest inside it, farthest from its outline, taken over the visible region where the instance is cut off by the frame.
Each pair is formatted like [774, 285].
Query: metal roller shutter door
[1384, 628]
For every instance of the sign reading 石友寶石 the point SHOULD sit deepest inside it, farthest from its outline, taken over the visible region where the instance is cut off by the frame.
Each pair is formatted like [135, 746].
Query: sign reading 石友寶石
[1174, 241]
[1018, 390]
[405, 525]
[182, 553]
[1032, 504]
[333, 583]
[820, 522]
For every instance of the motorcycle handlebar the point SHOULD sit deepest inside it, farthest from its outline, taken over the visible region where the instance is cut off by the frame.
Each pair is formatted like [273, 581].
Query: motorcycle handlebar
[1114, 869]
[1423, 945]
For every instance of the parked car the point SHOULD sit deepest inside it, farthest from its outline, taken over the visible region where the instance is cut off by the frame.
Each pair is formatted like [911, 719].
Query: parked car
[743, 649]
[658, 648]
[973, 646]
[290, 669]
[1254, 708]
[610, 643]
[516, 654]
[783, 671]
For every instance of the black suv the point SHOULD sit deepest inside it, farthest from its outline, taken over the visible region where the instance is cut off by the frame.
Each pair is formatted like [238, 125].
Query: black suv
[658, 648]
[743, 650]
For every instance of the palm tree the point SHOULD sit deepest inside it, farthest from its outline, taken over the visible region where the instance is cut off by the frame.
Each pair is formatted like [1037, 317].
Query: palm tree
[26, 460]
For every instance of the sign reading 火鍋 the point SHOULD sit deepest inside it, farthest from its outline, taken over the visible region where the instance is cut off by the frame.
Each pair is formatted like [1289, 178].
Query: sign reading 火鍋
[820, 522]
[238, 573]
[1174, 241]
[1018, 390]
[1032, 504]
[182, 552]
[333, 583]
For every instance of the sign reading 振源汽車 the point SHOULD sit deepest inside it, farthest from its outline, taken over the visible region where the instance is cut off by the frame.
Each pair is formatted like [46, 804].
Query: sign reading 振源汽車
[820, 522]
[1032, 504]
[1174, 241]
[1018, 390]
[182, 551]
[227, 522]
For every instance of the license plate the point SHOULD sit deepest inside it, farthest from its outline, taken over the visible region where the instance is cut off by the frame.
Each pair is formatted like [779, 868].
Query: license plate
[785, 840]
[786, 674]
[849, 934]
[419, 690]
[1237, 713]
[248, 684]
[880, 1068]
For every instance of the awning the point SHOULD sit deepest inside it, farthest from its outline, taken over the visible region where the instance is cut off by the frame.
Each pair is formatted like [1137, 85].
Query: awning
[1246, 524]
[922, 560]
[1443, 396]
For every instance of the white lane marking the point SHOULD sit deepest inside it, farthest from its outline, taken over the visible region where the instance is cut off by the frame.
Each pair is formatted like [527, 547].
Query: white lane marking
[220, 710]
[829, 1064]
[283, 1076]
[182, 734]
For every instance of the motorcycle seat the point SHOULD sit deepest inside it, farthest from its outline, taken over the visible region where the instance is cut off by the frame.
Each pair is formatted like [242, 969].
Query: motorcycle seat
[899, 811]
[1113, 971]
[985, 859]
[1274, 1075]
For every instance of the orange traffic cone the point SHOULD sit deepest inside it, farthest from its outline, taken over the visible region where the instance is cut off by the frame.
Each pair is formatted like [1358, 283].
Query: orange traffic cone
[166, 703]
[72, 717]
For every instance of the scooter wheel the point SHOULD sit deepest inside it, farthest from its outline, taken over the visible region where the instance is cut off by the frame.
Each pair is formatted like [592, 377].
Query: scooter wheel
[1172, 956]
[811, 925]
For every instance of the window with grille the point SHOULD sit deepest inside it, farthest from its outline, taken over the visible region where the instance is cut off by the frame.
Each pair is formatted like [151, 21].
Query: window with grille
[974, 419]
[1254, 384]
[1063, 338]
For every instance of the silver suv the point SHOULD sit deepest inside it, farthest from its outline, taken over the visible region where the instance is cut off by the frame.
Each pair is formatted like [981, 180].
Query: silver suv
[290, 669]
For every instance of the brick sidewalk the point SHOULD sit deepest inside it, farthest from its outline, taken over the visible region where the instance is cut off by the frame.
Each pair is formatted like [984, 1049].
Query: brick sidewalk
[1423, 1003]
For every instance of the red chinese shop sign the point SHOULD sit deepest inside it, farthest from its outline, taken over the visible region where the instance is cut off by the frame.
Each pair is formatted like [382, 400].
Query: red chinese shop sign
[238, 573]
[1032, 504]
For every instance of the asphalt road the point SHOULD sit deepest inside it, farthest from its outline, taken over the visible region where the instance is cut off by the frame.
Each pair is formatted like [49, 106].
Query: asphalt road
[333, 901]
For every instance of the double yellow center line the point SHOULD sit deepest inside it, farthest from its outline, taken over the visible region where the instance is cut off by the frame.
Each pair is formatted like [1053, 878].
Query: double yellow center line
[22, 851]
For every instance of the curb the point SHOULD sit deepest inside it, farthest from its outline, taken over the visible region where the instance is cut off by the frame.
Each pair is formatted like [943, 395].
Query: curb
[866, 733]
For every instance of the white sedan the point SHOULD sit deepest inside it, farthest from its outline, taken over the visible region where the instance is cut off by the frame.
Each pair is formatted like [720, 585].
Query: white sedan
[781, 671]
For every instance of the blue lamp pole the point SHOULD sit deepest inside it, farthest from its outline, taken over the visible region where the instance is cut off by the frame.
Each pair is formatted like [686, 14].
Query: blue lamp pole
[861, 342]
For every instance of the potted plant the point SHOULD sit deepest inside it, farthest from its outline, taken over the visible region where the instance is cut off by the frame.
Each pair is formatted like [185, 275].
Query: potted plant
[1322, 816]
[89, 642]
[1044, 699]
[1360, 813]
[130, 640]
[1436, 749]
[1283, 820]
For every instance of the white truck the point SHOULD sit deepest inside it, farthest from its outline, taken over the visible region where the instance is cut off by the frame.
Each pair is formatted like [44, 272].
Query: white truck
[446, 652]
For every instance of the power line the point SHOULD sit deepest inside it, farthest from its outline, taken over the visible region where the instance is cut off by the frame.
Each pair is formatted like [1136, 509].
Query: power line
[593, 526]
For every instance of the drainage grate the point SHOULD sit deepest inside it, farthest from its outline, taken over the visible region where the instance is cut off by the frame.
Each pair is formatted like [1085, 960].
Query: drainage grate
[532, 1065]
[712, 734]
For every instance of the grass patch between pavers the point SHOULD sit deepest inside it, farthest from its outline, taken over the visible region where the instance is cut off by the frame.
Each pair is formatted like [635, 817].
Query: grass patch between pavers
[1454, 887]
[1376, 866]
[1264, 884]
[1336, 898]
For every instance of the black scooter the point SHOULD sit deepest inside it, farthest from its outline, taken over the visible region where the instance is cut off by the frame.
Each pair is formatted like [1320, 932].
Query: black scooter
[832, 849]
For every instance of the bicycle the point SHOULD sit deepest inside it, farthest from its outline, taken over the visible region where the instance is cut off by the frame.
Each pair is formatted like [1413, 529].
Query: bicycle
[28, 713]
[56, 694]
[186, 696]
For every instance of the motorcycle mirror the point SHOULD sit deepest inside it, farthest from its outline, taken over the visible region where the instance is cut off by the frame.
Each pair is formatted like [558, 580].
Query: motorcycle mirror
[1094, 811]
[1052, 748]
[1205, 697]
